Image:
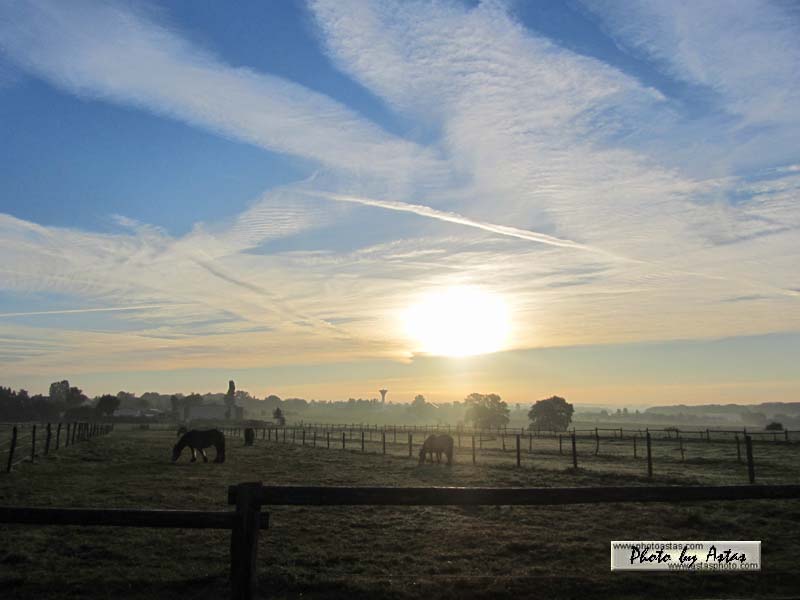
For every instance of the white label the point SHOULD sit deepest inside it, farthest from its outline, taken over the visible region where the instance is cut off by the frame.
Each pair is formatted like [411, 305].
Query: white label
[639, 555]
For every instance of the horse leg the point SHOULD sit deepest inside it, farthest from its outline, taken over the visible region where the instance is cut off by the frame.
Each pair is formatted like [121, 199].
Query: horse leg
[203, 452]
[194, 456]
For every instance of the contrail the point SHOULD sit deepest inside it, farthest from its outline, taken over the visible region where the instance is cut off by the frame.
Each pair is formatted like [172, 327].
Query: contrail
[72, 311]
[451, 217]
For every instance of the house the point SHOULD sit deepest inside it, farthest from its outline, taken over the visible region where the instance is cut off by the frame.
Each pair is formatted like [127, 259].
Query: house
[213, 412]
[127, 412]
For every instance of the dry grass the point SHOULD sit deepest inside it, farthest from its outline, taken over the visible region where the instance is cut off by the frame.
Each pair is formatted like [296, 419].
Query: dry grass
[558, 552]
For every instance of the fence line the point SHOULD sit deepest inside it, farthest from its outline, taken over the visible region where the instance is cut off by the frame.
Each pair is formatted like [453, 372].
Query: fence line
[248, 519]
[359, 437]
[75, 431]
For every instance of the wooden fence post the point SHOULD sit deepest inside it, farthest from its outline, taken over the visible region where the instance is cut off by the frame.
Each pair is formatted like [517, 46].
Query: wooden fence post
[634, 446]
[530, 443]
[503, 437]
[473, 449]
[574, 452]
[560, 451]
[33, 443]
[680, 445]
[344, 440]
[751, 466]
[304, 436]
[410, 442]
[362, 440]
[58, 435]
[328, 438]
[649, 457]
[47, 440]
[518, 455]
[11, 449]
[596, 441]
[383, 441]
[244, 541]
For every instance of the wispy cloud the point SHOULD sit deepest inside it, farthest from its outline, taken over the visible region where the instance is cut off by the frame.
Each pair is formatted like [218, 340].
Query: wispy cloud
[529, 142]
[109, 51]
[451, 217]
[78, 311]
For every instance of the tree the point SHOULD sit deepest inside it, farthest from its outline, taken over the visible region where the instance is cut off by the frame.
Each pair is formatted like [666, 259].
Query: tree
[277, 414]
[59, 391]
[75, 397]
[486, 410]
[230, 399]
[106, 405]
[774, 426]
[190, 401]
[420, 408]
[552, 414]
[176, 402]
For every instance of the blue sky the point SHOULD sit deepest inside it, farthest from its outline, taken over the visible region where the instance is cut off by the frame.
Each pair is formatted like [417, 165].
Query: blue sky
[194, 189]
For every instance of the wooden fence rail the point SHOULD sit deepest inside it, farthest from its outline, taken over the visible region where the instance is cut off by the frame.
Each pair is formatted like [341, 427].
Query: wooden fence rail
[248, 518]
[250, 497]
[119, 517]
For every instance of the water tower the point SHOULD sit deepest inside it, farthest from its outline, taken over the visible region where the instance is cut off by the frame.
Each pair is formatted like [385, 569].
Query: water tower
[383, 396]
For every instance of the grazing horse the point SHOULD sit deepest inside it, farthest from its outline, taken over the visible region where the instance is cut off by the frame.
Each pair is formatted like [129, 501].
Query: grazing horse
[437, 444]
[200, 440]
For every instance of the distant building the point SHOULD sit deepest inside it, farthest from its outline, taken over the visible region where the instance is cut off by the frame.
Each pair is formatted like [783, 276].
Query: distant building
[128, 412]
[150, 413]
[214, 412]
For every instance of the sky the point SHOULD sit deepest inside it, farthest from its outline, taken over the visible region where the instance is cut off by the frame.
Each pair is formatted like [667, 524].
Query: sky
[588, 198]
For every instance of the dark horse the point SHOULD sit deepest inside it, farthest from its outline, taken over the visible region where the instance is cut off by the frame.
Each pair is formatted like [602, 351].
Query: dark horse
[437, 444]
[200, 440]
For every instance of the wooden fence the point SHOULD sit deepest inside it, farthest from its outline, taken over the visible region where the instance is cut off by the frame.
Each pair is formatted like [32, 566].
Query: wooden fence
[705, 434]
[249, 498]
[50, 435]
[346, 437]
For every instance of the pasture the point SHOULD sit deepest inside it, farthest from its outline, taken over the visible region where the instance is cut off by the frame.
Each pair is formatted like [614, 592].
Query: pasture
[366, 552]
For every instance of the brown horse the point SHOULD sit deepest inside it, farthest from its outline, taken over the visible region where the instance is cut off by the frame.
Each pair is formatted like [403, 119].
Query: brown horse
[437, 444]
[200, 440]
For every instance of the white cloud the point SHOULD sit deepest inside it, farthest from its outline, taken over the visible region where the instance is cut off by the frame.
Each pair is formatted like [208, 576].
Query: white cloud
[103, 50]
[533, 145]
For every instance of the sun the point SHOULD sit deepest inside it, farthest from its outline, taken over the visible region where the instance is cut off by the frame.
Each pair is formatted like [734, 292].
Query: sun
[458, 321]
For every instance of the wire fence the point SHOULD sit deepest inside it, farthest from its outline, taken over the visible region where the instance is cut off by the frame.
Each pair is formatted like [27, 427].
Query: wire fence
[628, 453]
[25, 442]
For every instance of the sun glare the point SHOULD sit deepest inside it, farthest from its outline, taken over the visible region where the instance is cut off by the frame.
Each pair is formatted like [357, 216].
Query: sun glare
[458, 321]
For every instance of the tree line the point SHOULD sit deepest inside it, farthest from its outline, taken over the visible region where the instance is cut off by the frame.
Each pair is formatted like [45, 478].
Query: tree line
[478, 410]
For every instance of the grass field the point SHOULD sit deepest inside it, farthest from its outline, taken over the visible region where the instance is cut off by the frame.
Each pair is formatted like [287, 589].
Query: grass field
[368, 552]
